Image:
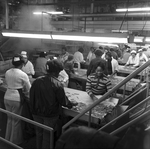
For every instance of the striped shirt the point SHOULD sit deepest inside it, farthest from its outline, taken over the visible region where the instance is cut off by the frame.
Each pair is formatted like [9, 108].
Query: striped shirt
[97, 86]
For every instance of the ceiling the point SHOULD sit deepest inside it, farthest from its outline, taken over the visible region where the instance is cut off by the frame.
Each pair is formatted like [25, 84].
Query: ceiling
[81, 15]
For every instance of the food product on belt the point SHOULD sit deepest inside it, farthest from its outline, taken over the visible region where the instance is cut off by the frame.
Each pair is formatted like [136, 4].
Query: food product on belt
[99, 111]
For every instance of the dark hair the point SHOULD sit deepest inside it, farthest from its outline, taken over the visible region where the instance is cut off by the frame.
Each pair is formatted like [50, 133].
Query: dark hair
[17, 60]
[54, 66]
[109, 54]
[99, 64]
[81, 50]
[100, 47]
[43, 54]
[111, 49]
[106, 48]
[144, 49]
[98, 52]
[84, 137]
[70, 57]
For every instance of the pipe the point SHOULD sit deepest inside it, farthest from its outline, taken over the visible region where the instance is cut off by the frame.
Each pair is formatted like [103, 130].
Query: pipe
[7, 14]
[83, 2]
[137, 14]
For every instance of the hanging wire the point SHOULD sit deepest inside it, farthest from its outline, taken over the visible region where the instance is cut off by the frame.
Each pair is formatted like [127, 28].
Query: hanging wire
[124, 15]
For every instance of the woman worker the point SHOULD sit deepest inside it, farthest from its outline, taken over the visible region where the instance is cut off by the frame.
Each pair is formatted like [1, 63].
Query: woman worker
[16, 81]
[97, 82]
[143, 58]
[133, 59]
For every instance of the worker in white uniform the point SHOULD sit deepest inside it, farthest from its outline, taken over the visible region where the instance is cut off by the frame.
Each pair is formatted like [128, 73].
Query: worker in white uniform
[78, 57]
[133, 60]
[143, 58]
[28, 66]
[17, 81]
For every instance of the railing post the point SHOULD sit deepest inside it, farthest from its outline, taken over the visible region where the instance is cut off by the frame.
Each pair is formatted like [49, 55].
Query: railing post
[124, 91]
[52, 139]
[89, 123]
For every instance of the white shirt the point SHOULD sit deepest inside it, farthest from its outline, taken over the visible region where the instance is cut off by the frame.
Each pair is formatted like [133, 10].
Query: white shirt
[90, 56]
[115, 65]
[78, 57]
[103, 56]
[133, 61]
[16, 79]
[28, 68]
[63, 77]
[143, 58]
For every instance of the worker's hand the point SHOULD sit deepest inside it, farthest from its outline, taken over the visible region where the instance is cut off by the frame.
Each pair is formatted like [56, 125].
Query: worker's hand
[74, 103]
[94, 98]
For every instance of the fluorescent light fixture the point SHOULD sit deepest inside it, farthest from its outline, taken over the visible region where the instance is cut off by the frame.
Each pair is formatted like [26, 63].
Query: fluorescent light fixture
[120, 31]
[108, 44]
[72, 36]
[26, 35]
[91, 37]
[138, 39]
[133, 9]
[47, 12]
[147, 39]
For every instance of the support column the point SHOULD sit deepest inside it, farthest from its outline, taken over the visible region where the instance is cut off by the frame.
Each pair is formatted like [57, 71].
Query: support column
[92, 6]
[7, 14]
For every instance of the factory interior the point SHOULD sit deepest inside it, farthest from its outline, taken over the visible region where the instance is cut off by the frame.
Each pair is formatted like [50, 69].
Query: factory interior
[74, 74]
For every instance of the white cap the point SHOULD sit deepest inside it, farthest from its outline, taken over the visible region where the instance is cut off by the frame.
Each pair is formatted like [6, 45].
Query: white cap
[133, 52]
[140, 50]
[24, 54]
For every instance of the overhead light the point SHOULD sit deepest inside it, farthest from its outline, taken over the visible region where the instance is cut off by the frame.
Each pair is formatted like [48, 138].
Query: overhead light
[120, 31]
[147, 39]
[108, 44]
[26, 35]
[138, 39]
[47, 12]
[133, 9]
[90, 37]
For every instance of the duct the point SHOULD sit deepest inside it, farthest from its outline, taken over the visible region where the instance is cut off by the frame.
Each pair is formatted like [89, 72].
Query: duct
[137, 14]
[111, 25]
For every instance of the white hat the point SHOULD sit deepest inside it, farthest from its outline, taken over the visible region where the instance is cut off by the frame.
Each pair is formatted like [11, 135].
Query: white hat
[24, 54]
[140, 50]
[133, 52]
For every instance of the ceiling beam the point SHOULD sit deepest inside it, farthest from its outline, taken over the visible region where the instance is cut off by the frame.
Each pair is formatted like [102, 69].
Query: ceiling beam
[81, 2]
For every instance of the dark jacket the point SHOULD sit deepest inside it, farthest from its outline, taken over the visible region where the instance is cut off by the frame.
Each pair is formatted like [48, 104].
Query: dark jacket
[47, 96]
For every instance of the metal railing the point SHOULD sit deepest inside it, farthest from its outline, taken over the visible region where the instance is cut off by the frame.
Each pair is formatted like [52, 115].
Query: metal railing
[125, 113]
[133, 95]
[51, 130]
[10, 143]
[137, 119]
[105, 96]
